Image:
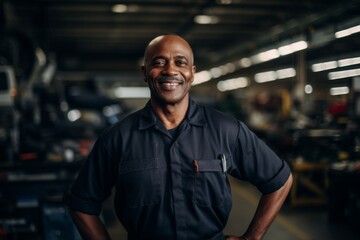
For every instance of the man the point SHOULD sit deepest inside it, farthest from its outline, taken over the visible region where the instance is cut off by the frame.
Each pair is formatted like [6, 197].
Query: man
[169, 162]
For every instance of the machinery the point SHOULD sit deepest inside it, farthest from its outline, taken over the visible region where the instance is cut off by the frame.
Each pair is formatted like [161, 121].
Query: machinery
[44, 136]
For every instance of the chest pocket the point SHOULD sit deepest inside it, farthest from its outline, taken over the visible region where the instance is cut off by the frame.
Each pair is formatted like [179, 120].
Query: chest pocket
[139, 182]
[210, 184]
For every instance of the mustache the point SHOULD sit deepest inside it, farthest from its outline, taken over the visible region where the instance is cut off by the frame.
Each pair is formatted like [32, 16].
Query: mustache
[168, 78]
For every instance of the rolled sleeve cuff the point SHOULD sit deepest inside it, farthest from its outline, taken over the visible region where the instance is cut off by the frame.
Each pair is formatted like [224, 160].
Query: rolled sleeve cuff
[276, 182]
[81, 205]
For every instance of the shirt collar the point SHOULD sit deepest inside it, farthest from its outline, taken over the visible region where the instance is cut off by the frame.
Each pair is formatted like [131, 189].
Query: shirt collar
[195, 116]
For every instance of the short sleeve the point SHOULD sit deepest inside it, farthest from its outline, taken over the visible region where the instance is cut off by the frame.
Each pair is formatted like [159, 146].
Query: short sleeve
[255, 162]
[94, 181]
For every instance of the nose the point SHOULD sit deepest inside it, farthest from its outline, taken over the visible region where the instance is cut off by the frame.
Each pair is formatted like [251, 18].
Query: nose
[170, 69]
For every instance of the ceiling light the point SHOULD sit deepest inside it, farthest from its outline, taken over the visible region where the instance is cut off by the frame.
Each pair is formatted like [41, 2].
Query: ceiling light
[293, 47]
[298, 46]
[265, 76]
[132, 92]
[232, 84]
[339, 91]
[347, 32]
[285, 50]
[119, 8]
[265, 56]
[268, 55]
[225, 2]
[206, 19]
[349, 61]
[245, 62]
[216, 72]
[286, 73]
[274, 75]
[344, 74]
[228, 68]
[201, 77]
[317, 67]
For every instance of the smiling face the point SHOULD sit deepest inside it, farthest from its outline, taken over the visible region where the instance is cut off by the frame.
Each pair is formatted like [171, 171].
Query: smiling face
[168, 69]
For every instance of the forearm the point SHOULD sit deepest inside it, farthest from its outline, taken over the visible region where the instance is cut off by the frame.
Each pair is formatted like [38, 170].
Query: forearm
[269, 206]
[89, 226]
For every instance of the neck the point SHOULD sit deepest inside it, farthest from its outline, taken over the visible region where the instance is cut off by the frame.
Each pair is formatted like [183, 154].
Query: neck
[171, 115]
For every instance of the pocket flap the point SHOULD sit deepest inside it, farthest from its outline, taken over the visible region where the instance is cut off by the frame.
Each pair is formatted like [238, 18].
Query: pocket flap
[209, 165]
[133, 165]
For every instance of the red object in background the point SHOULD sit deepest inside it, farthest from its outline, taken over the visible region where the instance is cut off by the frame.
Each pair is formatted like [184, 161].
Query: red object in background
[28, 156]
[338, 108]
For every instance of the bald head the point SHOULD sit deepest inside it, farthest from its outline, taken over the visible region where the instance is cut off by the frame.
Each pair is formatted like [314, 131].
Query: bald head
[169, 70]
[165, 41]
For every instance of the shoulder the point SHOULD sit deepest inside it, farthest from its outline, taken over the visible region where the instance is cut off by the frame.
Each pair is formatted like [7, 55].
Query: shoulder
[215, 116]
[219, 124]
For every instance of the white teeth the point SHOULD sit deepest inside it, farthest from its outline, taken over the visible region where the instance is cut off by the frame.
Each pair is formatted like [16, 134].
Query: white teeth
[170, 84]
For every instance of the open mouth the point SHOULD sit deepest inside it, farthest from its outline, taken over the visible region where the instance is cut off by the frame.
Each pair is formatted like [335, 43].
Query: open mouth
[169, 86]
[170, 83]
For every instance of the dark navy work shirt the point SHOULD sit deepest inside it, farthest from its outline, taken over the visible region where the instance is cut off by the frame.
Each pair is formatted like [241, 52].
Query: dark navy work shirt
[174, 188]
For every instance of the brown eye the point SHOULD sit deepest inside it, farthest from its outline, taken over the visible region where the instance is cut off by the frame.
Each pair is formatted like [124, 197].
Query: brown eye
[181, 63]
[158, 62]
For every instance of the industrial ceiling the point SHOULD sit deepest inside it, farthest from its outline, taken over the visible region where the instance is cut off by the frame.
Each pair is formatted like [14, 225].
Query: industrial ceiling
[104, 35]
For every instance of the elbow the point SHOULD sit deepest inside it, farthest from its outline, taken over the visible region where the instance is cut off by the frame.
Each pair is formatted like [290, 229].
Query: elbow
[289, 181]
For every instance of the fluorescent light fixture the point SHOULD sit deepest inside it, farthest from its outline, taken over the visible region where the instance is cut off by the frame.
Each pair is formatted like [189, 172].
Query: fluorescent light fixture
[132, 92]
[119, 8]
[265, 77]
[293, 47]
[298, 46]
[323, 66]
[344, 74]
[232, 84]
[317, 67]
[349, 61]
[227, 68]
[225, 2]
[206, 19]
[245, 62]
[285, 50]
[274, 75]
[339, 91]
[216, 72]
[347, 32]
[286, 73]
[201, 77]
[267, 55]
[308, 89]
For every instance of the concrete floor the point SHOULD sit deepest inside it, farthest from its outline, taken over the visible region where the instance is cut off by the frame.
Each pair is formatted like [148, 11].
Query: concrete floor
[300, 223]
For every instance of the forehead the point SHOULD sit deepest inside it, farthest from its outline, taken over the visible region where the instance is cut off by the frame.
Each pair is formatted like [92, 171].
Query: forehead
[170, 47]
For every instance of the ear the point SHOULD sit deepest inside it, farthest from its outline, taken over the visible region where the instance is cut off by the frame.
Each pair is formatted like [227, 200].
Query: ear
[193, 69]
[143, 70]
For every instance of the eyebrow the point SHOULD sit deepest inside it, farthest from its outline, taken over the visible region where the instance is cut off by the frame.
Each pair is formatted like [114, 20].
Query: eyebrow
[181, 57]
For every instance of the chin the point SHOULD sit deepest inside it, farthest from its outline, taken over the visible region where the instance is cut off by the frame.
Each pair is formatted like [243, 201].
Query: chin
[171, 100]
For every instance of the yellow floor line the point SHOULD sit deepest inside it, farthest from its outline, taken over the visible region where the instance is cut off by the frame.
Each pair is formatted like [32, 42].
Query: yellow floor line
[253, 200]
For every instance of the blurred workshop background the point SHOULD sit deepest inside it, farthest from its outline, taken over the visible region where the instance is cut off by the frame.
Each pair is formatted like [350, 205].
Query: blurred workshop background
[289, 69]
